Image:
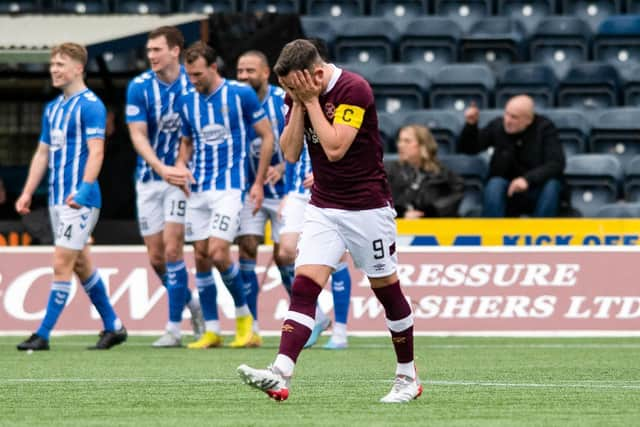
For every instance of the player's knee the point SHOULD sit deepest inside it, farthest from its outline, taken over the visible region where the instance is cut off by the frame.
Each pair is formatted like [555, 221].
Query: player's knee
[286, 254]
[220, 256]
[248, 248]
[62, 266]
[172, 253]
[202, 259]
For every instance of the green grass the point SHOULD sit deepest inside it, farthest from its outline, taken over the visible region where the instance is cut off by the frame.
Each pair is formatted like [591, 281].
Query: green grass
[468, 382]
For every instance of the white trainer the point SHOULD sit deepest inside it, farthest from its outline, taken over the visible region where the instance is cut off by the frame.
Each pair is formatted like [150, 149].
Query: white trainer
[197, 318]
[404, 390]
[168, 340]
[267, 380]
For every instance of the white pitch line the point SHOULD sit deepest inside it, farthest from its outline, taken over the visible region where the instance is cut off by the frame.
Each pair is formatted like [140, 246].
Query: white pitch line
[533, 385]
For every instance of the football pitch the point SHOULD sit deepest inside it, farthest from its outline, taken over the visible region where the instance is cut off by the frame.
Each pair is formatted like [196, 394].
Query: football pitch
[468, 382]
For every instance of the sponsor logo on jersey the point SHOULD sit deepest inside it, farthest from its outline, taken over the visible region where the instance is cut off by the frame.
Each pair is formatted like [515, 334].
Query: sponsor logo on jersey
[213, 134]
[58, 139]
[169, 123]
[132, 110]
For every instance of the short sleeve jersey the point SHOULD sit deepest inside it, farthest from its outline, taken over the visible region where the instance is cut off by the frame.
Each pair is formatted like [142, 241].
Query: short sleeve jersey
[67, 126]
[273, 105]
[358, 181]
[218, 125]
[152, 101]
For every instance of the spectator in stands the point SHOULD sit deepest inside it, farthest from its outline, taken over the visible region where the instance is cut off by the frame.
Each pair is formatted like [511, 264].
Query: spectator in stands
[525, 172]
[421, 186]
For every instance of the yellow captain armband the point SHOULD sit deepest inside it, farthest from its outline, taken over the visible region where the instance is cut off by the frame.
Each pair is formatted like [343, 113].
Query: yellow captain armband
[350, 115]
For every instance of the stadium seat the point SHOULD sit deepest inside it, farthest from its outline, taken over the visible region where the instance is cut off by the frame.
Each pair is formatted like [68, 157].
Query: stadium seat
[589, 85]
[455, 86]
[474, 170]
[366, 39]
[399, 8]
[147, 7]
[560, 41]
[615, 131]
[573, 127]
[20, 6]
[592, 180]
[271, 6]
[118, 62]
[399, 87]
[82, 7]
[445, 126]
[528, 12]
[488, 114]
[495, 41]
[388, 124]
[632, 7]
[534, 79]
[632, 180]
[208, 6]
[335, 8]
[430, 40]
[618, 41]
[619, 210]
[631, 86]
[591, 11]
[321, 28]
[464, 12]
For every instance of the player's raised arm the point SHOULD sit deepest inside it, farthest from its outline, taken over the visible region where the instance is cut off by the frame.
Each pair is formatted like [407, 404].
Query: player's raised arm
[292, 137]
[37, 169]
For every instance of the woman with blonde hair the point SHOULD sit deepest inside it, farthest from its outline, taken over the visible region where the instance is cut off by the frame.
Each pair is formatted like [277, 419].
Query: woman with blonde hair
[420, 184]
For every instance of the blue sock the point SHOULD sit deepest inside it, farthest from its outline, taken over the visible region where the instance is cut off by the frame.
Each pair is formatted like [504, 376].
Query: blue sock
[57, 299]
[341, 290]
[94, 287]
[208, 292]
[233, 282]
[250, 282]
[287, 273]
[177, 279]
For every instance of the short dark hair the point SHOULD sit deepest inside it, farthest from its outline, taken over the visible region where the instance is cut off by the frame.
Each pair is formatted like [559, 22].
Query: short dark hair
[173, 36]
[200, 50]
[257, 54]
[321, 46]
[297, 55]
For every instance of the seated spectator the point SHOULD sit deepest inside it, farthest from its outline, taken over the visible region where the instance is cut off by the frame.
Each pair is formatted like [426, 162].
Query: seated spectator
[525, 172]
[420, 185]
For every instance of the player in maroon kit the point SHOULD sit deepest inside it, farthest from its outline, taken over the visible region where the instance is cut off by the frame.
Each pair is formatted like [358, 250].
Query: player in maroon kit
[350, 208]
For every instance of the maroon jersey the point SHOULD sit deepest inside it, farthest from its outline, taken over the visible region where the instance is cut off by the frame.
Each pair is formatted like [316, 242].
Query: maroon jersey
[358, 181]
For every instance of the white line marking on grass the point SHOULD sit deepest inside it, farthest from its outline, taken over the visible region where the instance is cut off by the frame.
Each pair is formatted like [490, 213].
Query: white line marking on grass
[585, 385]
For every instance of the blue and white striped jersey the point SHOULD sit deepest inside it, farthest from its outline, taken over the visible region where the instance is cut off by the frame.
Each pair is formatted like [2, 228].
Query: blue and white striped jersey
[219, 124]
[152, 101]
[67, 125]
[296, 172]
[274, 107]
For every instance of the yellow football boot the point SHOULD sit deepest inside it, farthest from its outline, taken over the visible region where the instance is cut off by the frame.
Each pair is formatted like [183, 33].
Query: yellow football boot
[207, 340]
[255, 341]
[244, 331]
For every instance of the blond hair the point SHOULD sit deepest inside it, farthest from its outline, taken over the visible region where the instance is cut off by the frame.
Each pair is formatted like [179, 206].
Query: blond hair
[428, 147]
[75, 51]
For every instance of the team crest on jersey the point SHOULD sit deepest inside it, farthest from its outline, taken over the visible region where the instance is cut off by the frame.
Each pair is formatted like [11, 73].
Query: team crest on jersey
[57, 139]
[169, 123]
[330, 110]
[213, 134]
[255, 145]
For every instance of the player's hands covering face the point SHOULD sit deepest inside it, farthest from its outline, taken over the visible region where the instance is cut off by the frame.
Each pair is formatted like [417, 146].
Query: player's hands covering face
[304, 85]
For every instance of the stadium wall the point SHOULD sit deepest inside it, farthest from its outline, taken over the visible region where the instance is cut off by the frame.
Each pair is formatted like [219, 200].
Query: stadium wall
[548, 291]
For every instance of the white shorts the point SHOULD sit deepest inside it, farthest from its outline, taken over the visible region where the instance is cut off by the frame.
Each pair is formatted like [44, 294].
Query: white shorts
[213, 214]
[72, 227]
[159, 202]
[254, 224]
[293, 213]
[369, 235]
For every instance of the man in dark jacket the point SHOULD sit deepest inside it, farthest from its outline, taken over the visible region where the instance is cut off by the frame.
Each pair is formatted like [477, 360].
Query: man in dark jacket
[525, 173]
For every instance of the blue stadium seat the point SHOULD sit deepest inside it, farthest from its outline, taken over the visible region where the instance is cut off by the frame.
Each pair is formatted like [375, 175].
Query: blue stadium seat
[496, 41]
[528, 12]
[618, 41]
[589, 85]
[208, 6]
[366, 39]
[20, 6]
[399, 8]
[573, 126]
[592, 180]
[335, 8]
[445, 126]
[632, 180]
[399, 87]
[560, 41]
[271, 6]
[455, 86]
[592, 11]
[321, 28]
[142, 7]
[474, 170]
[388, 124]
[631, 86]
[82, 7]
[534, 79]
[615, 131]
[619, 210]
[430, 40]
[464, 12]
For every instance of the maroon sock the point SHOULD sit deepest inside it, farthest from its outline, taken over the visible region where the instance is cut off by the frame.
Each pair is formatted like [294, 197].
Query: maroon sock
[304, 297]
[397, 308]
